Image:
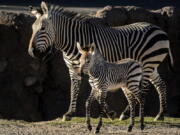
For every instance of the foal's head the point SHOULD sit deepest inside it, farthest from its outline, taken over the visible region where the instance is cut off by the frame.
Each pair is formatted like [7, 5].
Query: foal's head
[86, 56]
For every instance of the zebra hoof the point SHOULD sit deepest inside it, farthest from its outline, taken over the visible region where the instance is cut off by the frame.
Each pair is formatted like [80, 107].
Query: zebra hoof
[89, 127]
[159, 117]
[66, 118]
[123, 117]
[129, 128]
[142, 127]
[97, 131]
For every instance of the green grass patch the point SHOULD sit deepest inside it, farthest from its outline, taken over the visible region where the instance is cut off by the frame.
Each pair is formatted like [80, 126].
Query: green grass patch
[147, 120]
[167, 120]
[5, 122]
[11, 122]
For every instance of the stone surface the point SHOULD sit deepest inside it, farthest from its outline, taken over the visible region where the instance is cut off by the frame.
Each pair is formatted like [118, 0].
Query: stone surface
[3, 64]
[30, 81]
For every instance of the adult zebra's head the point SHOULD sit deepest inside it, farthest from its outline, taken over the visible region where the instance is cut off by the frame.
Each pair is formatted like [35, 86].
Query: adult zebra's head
[43, 34]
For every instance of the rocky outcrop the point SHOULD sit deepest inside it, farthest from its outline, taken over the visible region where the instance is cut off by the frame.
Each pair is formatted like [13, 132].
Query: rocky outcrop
[35, 91]
[17, 101]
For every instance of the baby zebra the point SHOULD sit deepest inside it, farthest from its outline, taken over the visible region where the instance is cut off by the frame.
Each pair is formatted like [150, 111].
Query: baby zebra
[104, 76]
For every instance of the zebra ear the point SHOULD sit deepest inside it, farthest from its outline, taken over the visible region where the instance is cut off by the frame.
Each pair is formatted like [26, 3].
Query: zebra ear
[34, 12]
[79, 48]
[44, 7]
[91, 50]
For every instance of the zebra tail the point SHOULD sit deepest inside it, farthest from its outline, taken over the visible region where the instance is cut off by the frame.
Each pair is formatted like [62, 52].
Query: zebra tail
[171, 62]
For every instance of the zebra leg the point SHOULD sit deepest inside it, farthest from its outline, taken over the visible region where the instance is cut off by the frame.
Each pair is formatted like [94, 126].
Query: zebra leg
[75, 87]
[132, 112]
[144, 88]
[141, 112]
[131, 101]
[88, 109]
[100, 121]
[110, 114]
[139, 97]
[160, 86]
[101, 106]
[125, 114]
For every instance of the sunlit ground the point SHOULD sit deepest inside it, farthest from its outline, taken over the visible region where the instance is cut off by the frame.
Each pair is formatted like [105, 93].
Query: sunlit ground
[147, 120]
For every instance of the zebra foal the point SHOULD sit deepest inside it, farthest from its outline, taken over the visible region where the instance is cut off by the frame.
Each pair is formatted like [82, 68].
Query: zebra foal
[104, 76]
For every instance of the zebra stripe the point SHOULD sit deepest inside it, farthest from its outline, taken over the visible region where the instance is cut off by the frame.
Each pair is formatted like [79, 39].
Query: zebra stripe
[141, 41]
[105, 76]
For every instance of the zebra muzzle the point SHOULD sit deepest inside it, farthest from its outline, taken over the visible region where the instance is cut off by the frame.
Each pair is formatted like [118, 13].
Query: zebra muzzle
[30, 51]
[47, 55]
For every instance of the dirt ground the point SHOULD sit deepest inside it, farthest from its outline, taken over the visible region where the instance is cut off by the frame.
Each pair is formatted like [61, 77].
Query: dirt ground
[76, 128]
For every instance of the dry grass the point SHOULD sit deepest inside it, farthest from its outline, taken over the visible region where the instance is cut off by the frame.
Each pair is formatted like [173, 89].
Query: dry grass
[148, 120]
[170, 126]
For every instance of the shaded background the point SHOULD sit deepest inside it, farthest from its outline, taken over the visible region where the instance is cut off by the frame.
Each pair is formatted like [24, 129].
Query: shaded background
[148, 4]
[33, 91]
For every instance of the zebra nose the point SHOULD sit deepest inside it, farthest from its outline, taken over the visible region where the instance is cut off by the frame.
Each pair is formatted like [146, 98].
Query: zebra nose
[30, 51]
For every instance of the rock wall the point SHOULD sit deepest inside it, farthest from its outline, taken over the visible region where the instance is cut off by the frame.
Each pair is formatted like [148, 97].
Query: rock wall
[34, 91]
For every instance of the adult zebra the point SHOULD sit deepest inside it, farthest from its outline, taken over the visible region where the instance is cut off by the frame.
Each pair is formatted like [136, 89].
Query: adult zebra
[61, 29]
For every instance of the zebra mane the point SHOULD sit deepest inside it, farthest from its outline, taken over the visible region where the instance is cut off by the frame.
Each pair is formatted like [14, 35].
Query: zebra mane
[66, 13]
[76, 16]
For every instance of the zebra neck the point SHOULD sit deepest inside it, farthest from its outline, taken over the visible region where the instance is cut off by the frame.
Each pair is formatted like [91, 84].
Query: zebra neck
[96, 69]
[69, 31]
[97, 64]
[97, 57]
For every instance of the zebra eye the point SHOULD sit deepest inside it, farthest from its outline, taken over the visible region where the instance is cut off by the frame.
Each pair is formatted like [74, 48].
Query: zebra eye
[43, 28]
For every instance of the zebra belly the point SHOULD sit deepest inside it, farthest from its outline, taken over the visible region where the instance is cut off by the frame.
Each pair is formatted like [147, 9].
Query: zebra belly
[114, 87]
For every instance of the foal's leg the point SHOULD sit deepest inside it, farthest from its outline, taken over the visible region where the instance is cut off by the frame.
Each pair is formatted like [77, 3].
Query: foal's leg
[88, 109]
[131, 101]
[110, 114]
[102, 103]
[132, 113]
[140, 99]
[141, 114]
[126, 113]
